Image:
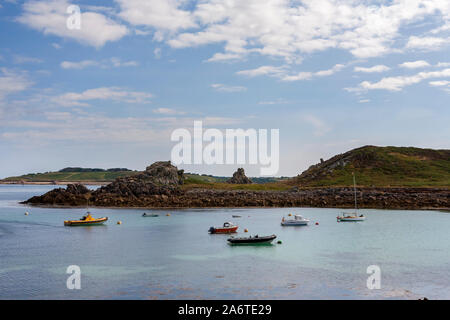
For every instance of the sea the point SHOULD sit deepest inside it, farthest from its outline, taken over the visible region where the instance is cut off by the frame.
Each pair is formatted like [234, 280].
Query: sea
[394, 254]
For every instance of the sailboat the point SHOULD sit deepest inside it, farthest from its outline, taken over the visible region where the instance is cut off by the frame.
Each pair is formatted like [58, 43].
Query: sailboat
[351, 216]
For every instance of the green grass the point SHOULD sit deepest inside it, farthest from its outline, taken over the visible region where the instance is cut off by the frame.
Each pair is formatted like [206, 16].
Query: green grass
[70, 176]
[386, 167]
[275, 186]
[193, 181]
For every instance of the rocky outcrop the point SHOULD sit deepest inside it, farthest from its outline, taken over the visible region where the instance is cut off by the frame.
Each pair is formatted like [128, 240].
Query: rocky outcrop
[73, 195]
[159, 179]
[239, 177]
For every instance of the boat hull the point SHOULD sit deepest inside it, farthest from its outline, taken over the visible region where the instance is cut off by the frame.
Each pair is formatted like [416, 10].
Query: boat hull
[77, 223]
[295, 223]
[347, 219]
[252, 240]
[223, 230]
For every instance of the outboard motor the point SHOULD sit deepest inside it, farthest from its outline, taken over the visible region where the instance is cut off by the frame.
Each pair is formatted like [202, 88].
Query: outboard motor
[212, 230]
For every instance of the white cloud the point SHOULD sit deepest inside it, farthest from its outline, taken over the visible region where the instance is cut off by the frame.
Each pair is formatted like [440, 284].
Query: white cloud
[443, 28]
[443, 64]
[76, 127]
[426, 43]
[112, 62]
[12, 82]
[364, 101]
[18, 59]
[320, 127]
[49, 17]
[289, 29]
[116, 62]
[272, 102]
[263, 70]
[219, 57]
[78, 65]
[224, 88]
[414, 64]
[399, 82]
[282, 72]
[377, 68]
[442, 83]
[116, 94]
[286, 29]
[167, 111]
[166, 15]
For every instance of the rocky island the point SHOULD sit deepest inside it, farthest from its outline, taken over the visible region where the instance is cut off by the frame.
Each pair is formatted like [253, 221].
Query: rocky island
[162, 185]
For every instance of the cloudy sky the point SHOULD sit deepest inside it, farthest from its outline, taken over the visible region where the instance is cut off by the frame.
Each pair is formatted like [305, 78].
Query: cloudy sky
[331, 75]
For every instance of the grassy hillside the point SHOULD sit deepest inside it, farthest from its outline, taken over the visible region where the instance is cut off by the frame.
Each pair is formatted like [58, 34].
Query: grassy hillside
[381, 166]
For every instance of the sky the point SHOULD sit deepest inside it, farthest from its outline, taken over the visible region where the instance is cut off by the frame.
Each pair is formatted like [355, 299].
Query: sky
[330, 75]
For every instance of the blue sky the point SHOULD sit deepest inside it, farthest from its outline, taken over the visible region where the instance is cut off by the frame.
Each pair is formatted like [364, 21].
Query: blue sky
[331, 75]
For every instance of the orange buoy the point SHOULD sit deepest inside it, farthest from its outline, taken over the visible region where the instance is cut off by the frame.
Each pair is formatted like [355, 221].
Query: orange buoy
[245, 230]
[290, 214]
[119, 222]
[317, 223]
[168, 214]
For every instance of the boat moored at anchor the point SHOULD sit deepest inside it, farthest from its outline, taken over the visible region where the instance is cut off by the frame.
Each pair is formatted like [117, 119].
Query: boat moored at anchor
[227, 227]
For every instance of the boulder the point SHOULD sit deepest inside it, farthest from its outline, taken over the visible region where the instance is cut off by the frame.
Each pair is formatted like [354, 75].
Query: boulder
[239, 177]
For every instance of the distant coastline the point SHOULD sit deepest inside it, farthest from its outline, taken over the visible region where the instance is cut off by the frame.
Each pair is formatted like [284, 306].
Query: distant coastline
[53, 183]
[387, 178]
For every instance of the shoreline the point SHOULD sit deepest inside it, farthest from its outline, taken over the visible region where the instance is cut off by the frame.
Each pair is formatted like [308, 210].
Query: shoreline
[56, 183]
[30, 205]
[342, 198]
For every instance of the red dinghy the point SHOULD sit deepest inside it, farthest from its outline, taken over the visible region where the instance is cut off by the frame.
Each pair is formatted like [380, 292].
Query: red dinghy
[228, 227]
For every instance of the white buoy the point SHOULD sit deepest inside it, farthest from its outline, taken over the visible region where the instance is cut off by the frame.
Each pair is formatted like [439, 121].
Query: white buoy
[26, 213]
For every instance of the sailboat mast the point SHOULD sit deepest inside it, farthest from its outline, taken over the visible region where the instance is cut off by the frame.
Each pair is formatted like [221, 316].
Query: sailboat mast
[354, 189]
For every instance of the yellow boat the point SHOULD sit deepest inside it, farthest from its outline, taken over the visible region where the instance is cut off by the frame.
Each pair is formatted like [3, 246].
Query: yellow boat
[87, 220]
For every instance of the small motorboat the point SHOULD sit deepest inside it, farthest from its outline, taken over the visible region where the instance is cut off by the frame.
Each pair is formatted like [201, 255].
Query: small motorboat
[150, 215]
[297, 221]
[252, 240]
[350, 217]
[86, 220]
[236, 216]
[228, 227]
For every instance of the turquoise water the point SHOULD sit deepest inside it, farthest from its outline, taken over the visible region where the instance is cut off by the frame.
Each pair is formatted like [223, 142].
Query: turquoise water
[174, 257]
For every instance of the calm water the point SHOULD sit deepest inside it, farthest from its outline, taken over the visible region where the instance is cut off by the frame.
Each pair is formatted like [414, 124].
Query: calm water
[173, 257]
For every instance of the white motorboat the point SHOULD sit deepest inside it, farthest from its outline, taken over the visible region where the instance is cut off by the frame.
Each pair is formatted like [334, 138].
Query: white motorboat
[298, 220]
[351, 216]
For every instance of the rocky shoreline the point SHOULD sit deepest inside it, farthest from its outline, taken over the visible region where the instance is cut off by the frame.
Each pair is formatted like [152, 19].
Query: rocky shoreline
[377, 198]
[160, 186]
